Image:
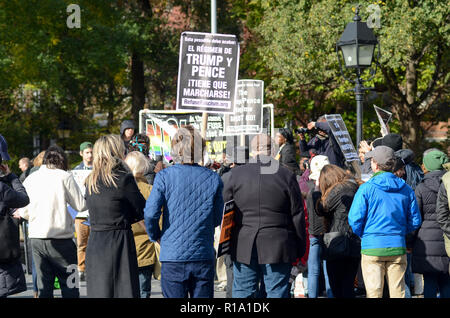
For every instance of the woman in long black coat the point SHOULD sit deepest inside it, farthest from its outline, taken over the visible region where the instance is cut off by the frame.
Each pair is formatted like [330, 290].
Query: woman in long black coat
[114, 202]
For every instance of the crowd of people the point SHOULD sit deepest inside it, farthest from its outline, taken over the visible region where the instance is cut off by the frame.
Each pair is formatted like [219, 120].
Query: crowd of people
[137, 218]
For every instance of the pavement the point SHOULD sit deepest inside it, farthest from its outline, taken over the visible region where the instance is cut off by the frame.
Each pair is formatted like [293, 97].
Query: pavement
[156, 290]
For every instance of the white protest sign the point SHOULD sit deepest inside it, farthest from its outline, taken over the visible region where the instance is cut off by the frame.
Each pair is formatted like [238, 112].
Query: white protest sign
[248, 116]
[80, 176]
[342, 137]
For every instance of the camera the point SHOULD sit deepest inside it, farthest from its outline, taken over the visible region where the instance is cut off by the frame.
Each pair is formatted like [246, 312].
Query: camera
[304, 131]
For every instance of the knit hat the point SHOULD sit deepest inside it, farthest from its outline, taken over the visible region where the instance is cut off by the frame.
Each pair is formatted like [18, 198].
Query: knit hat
[317, 163]
[4, 149]
[434, 160]
[393, 141]
[86, 145]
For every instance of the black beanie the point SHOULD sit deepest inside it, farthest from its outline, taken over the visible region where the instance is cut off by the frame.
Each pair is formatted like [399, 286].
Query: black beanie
[393, 141]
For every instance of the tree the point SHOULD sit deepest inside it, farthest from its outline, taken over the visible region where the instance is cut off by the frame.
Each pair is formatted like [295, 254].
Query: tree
[296, 42]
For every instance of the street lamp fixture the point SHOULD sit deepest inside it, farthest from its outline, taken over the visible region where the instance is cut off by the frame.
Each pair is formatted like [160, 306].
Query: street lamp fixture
[357, 46]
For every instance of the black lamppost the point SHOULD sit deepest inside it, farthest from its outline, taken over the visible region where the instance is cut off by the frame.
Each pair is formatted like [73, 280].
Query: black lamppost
[64, 132]
[357, 45]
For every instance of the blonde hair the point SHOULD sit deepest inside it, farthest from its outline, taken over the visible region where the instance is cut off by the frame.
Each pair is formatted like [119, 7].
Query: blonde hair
[138, 164]
[37, 162]
[108, 153]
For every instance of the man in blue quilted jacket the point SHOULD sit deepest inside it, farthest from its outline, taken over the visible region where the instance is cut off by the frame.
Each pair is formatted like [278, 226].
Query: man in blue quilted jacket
[192, 205]
[383, 211]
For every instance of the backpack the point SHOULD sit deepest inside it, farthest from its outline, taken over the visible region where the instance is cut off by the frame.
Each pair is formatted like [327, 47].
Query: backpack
[9, 238]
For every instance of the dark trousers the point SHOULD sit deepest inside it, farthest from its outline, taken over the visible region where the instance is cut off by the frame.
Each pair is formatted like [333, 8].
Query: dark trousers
[229, 269]
[187, 279]
[342, 273]
[145, 280]
[56, 258]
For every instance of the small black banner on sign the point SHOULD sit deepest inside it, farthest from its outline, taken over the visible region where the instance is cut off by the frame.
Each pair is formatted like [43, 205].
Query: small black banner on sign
[226, 228]
[208, 70]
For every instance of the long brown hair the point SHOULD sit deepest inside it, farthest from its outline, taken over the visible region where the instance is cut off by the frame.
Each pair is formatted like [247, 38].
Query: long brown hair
[331, 176]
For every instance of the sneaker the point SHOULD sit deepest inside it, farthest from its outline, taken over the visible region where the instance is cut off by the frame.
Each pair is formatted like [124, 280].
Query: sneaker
[222, 286]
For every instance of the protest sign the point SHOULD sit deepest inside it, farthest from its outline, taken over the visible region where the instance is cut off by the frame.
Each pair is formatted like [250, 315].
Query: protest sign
[342, 136]
[384, 117]
[208, 70]
[226, 228]
[80, 177]
[248, 115]
[161, 125]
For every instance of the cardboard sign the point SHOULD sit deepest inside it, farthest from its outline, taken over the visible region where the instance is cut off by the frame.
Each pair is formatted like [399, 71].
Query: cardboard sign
[208, 71]
[342, 137]
[248, 116]
[226, 228]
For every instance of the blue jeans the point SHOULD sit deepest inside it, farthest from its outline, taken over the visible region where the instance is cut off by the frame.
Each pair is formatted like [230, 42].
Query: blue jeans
[183, 279]
[34, 275]
[314, 268]
[409, 277]
[436, 283]
[145, 280]
[247, 277]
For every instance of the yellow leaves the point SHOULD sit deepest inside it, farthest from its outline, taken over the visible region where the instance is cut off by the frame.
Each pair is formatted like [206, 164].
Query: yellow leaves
[55, 41]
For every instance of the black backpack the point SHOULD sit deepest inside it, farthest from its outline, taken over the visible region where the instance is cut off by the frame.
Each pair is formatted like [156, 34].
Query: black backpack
[9, 238]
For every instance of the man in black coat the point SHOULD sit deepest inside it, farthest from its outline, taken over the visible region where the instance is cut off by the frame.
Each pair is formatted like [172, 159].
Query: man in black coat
[269, 232]
[12, 195]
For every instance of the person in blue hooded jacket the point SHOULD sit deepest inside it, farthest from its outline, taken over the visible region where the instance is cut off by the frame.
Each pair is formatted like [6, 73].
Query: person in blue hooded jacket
[192, 202]
[383, 211]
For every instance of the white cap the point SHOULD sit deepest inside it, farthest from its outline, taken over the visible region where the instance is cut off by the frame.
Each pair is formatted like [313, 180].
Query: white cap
[317, 163]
